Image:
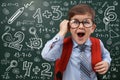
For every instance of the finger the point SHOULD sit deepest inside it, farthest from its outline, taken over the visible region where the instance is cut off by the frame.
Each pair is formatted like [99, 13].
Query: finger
[99, 67]
[99, 64]
[101, 70]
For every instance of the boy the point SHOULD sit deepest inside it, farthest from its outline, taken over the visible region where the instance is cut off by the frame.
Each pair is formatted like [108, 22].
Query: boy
[75, 62]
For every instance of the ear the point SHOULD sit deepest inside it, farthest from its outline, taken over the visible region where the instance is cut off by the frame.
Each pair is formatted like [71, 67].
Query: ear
[93, 28]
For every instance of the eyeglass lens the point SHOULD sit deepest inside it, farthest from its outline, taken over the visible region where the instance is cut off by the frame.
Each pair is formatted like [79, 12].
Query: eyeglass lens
[74, 23]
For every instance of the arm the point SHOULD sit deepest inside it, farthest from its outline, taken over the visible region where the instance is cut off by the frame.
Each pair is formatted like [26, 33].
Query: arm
[103, 66]
[53, 48]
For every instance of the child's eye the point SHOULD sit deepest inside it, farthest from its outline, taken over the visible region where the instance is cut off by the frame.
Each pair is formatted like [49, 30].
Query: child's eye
[86, 22]
[76, 22]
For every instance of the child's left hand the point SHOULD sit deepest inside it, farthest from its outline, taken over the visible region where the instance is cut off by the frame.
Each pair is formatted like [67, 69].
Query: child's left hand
[101, 67]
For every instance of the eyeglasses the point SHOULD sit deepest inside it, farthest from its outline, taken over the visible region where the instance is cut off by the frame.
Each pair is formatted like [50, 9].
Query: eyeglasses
[74, 23]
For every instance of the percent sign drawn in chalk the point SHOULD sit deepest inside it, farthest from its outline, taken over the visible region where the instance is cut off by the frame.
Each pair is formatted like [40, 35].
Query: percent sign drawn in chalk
[17, 14]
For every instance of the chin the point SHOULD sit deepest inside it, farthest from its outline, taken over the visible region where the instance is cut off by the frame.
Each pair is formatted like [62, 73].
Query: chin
[80, 42]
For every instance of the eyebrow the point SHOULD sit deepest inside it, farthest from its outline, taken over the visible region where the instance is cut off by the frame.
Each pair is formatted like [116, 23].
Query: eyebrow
[82, 20]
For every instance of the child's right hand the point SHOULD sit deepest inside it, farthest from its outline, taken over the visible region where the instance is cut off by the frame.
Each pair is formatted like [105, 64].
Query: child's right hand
[63, 28]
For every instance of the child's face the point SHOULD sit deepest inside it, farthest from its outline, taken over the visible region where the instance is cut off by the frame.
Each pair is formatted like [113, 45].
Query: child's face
[81, 33]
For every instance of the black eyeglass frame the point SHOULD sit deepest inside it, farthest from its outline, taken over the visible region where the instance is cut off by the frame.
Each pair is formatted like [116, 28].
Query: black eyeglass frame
[83, 22]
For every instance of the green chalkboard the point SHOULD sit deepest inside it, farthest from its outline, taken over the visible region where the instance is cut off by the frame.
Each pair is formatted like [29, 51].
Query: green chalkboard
[26, 25]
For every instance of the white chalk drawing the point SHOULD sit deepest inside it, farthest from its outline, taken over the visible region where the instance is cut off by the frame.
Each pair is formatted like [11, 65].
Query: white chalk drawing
[4, 20]
[98, 20]
[73, 2]
[18, 13]
[16, 70]
[17, 43]
[32, 8]
[47, 36]
[100, 9]
[36, 70]
[115, 3]
[107, 77]
[40, 20]
[86, 1]
[57, 12]
[7, 55]
[35, 43]
[15, 15]
[22, 54]
[6, 75]
[6, 60]
[13, 64]
[115, 51]
[38, 15]
[46, 4]
[25, 22]
[13, 42]
[46, 71]
[114, 69]
[28, 4]
[5, 11]
[47, 30]
[27, 66]
[10, 4]
[33, 31]
[109, 16]
[47, 14]
[66, 4]
[37, 59]
[113, 34]
[7, 37]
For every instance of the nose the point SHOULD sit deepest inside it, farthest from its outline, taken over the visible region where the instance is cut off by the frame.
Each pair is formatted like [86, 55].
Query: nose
[81, 25]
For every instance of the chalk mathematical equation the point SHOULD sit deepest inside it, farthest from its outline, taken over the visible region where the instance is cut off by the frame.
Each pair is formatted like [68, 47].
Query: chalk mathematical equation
[27, 25]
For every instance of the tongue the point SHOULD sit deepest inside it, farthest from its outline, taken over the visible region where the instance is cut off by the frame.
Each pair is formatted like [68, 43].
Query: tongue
[80, 34]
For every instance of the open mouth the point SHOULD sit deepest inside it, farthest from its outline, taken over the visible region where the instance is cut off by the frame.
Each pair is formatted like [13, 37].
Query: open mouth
[80, 34]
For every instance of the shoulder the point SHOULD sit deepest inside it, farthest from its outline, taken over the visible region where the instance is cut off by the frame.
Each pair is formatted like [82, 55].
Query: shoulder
[95, 40]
